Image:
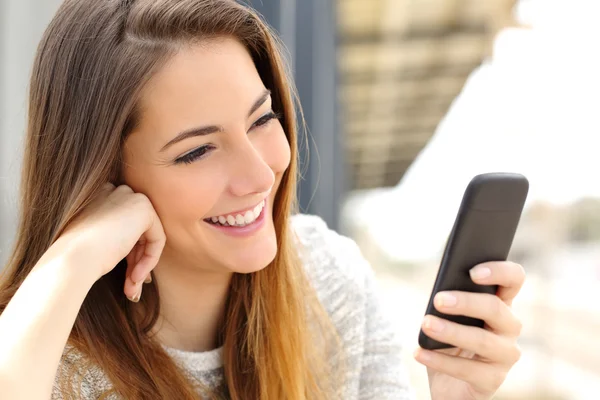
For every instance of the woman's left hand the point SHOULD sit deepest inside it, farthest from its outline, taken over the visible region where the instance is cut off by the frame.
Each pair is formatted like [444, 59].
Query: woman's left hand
[481, 359]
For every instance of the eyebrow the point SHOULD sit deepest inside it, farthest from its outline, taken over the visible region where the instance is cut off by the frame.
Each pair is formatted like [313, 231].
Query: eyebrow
[207, 130]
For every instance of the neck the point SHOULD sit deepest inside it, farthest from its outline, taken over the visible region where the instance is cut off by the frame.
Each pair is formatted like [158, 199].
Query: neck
[192, 304]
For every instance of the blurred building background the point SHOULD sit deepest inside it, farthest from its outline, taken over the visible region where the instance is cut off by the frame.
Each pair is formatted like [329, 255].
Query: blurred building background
[405, 101]
[401, 64]
[434, 92]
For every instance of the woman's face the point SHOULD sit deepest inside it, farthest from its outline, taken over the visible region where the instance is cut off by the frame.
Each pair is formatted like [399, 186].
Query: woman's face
[210, 154]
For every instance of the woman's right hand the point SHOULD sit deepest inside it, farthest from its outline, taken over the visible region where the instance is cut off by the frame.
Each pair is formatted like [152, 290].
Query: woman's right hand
[118, 224]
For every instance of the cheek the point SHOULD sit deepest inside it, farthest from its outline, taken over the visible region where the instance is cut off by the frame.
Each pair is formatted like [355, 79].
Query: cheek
[178, 194]
[183, 195]
[275, 150]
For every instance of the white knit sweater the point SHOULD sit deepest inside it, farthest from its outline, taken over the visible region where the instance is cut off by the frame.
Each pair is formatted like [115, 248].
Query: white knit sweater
[346, 286]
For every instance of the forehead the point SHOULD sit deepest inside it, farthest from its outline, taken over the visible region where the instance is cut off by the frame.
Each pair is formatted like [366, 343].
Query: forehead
[202, 83]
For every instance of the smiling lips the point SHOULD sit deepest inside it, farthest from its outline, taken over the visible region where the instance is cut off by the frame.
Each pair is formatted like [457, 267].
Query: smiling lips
[238, 219]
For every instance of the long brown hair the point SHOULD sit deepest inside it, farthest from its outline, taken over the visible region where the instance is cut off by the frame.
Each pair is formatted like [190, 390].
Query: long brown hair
[91, 65]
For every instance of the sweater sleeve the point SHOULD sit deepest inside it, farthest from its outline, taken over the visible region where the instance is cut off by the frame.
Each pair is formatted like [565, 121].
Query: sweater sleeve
[77, 379]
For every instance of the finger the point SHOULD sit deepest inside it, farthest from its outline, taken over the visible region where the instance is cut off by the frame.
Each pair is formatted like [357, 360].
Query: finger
[483, 376]
[155, 242]
[107, 187]
[130, 260]
[123, 189]
[486, 344]
[135, 256]
[484, 306]
[131, 289]
[148, 260]
[140, 254]
[139, 251]
[508, 275]
[143, 268]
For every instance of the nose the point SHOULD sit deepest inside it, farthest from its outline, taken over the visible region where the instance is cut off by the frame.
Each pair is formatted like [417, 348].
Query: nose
[250, 173]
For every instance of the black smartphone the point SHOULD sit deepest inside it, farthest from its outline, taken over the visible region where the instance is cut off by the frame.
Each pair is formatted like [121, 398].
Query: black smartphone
[483, 231]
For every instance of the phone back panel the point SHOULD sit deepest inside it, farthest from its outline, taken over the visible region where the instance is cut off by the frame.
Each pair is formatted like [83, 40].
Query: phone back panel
[483, 231]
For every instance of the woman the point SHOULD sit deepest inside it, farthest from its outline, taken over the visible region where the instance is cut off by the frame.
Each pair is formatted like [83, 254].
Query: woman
[156, 256]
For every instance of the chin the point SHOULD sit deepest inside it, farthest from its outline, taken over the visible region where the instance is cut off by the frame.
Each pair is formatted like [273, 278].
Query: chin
[246, 261]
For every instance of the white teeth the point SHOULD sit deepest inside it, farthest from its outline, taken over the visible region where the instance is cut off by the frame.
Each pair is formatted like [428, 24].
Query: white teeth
[241, 219]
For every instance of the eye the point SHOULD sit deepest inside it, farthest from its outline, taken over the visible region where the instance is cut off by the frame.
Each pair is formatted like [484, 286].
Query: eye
[265, 119]
[193, 155]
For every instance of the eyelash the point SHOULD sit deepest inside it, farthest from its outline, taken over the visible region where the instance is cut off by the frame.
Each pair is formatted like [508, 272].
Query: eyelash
[201, 151]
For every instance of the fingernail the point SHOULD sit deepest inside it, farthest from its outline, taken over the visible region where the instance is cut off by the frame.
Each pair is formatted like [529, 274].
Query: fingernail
[148, 279]
[434, 324]
[480, 273]
[446, 300]
[137, 297]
